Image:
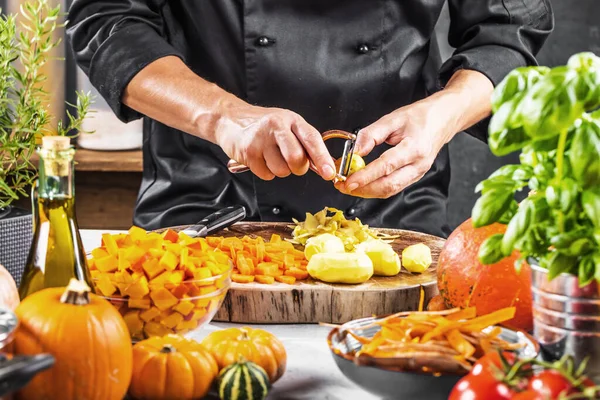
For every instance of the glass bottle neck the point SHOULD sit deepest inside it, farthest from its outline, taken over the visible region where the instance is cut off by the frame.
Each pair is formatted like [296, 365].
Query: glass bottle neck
[56, 177]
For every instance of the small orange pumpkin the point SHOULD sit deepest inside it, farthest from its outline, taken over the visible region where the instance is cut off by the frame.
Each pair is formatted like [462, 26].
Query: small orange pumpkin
[171, 367]
[255, 345]
[87, 337]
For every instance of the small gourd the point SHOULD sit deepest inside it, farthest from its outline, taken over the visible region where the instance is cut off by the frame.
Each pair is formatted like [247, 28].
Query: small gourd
[243, 380]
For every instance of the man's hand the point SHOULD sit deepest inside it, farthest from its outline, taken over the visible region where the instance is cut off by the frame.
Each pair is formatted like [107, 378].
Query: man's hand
[272, 142]
[418, 132]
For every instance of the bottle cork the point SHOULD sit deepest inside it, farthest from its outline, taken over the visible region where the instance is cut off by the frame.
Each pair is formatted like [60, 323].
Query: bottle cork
[56, 143]
[56, 155]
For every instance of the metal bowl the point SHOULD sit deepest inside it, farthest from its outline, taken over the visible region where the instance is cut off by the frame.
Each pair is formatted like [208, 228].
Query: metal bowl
[573, 322]
[563, 284]
[393, 384]
[565, 304]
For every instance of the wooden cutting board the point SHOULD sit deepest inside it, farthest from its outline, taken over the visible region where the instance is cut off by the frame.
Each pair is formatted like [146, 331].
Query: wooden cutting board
[313, 301]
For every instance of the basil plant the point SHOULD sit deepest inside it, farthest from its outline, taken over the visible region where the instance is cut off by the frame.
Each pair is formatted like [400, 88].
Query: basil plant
[548, 114]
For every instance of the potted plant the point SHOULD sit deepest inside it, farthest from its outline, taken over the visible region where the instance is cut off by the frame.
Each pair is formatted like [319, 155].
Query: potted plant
[549, 115]
[26, 42]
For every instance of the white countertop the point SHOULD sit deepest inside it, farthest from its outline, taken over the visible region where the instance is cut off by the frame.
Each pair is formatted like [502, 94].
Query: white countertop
[311, 372]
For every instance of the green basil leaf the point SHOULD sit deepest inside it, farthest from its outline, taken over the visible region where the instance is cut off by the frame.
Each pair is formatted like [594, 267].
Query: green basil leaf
[519, 264]
[517, 226]
[490, 207]
[584, 153]
[551, 105]
[544, 171]
[564, 240]
[560, 263]
[541, 210]
[587, 66]
[509, 214]
[578, 248]
[590, 200]
[587, 270]
[498, 182]
[516, 82]
[553, 196]
[534, 184]
[596, 258]
[489, 251]
[507, 141]
[533, 242]
[569, 192]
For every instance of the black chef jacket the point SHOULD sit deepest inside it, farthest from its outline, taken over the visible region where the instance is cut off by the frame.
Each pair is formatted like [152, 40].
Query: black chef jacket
[338, 63]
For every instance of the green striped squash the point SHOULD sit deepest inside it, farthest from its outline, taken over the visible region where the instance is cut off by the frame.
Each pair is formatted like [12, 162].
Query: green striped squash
[243, 380]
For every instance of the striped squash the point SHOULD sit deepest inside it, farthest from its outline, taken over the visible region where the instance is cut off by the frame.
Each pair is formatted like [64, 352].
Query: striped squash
[243, 380]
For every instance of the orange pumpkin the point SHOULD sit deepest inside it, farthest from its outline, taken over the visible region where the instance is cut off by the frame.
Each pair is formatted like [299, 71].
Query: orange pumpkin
[171, 367]
[9, 295]
[87, 337]
[255, 345]
[463, 281]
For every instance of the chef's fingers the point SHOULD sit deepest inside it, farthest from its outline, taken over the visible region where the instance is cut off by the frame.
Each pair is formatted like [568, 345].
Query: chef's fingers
[387, 129]
[388, 186]
[257, 164]
[314, 145]
[403, 154]
[275, 161]
[293, 153]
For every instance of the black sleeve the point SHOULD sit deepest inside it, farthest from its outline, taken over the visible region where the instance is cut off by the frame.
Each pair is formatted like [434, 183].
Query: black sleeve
[494, 37]
[113, 40]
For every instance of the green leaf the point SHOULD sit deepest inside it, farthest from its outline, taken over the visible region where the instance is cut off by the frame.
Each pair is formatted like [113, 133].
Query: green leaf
[505, 134]
[490, 250]
[587, 270]
[516, 82]
[584, 153]
[498, 183]
[590, 200]
[517, 226]
[534, 242]
[490, 207]
[560, 263]
[510, 213]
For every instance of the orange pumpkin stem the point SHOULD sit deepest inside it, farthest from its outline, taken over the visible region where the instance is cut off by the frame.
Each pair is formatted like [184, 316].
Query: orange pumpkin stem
[76, 293]
[244, 335]
[167, 348]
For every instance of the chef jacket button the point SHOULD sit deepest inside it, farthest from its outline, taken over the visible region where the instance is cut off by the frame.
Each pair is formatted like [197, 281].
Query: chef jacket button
[276, 210]
[363, 48]
[264, 41]
[351, 212]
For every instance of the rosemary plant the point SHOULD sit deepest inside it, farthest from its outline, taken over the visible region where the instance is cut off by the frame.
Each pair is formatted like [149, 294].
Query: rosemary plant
[26, 42]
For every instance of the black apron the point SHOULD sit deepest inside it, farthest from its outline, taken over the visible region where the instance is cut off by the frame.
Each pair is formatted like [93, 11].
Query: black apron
[340, 64]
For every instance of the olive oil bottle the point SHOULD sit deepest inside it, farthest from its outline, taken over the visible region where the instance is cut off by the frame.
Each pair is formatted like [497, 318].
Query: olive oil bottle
[56, 253]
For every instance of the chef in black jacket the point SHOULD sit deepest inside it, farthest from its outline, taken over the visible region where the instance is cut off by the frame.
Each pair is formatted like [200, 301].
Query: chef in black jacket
[257, 80]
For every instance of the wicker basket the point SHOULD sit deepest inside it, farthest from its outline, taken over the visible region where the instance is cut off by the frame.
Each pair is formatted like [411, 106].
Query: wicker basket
[15, 240]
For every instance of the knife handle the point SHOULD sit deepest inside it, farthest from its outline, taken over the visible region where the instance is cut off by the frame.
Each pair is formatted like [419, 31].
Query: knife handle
[223, 218]
[18, 371]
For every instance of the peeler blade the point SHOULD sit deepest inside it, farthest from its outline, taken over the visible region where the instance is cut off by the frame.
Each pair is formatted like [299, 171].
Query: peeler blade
[346, 160]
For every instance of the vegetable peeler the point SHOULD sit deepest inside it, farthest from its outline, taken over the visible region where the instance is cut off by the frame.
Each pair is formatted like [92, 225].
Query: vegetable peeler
[344, 166]
[216, 221]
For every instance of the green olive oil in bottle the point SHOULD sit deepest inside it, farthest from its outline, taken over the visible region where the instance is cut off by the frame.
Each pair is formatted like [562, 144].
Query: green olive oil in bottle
[56, 253]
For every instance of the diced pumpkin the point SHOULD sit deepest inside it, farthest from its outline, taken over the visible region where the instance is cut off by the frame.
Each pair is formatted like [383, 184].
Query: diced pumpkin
[107, 264]
[175, 277]
[139, 303]
[290, 280]
[155, 329]
[202, 302]
[138, 289]
[123, 277]
[152, 268]
[172, 320]
[186, 325]
[207, 290]
[157, 253]
[137, 233]
[275, 238]
[163, 299]
[99, 252]
[134, 323]
[170, 235]
[180, 291]
[264, 279]
[123, 263]
[150, 242]
[193, 289]
[134, 254]
[174, 248]
[150, 314]
[242, 278]
[184, 307]
[198, 314]
[296, 273]
[105, 286]
[169, 261]
[202, 273]
[110, 244]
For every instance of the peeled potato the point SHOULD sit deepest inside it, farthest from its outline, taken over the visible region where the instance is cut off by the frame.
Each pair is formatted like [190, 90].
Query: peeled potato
[416, 258]
[386, 261]
[340, 267]
[356, 164]
[324, 243]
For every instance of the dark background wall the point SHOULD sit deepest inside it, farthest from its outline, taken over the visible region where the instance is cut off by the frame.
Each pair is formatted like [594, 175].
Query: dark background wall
[577, 29]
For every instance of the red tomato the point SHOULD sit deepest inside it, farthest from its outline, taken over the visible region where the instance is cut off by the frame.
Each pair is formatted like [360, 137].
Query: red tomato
[529, 395]
[551, 384]
[480, 388]
[489, 363]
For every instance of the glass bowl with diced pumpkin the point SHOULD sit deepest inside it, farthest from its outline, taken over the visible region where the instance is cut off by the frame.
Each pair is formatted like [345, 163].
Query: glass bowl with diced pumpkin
[160, 282]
